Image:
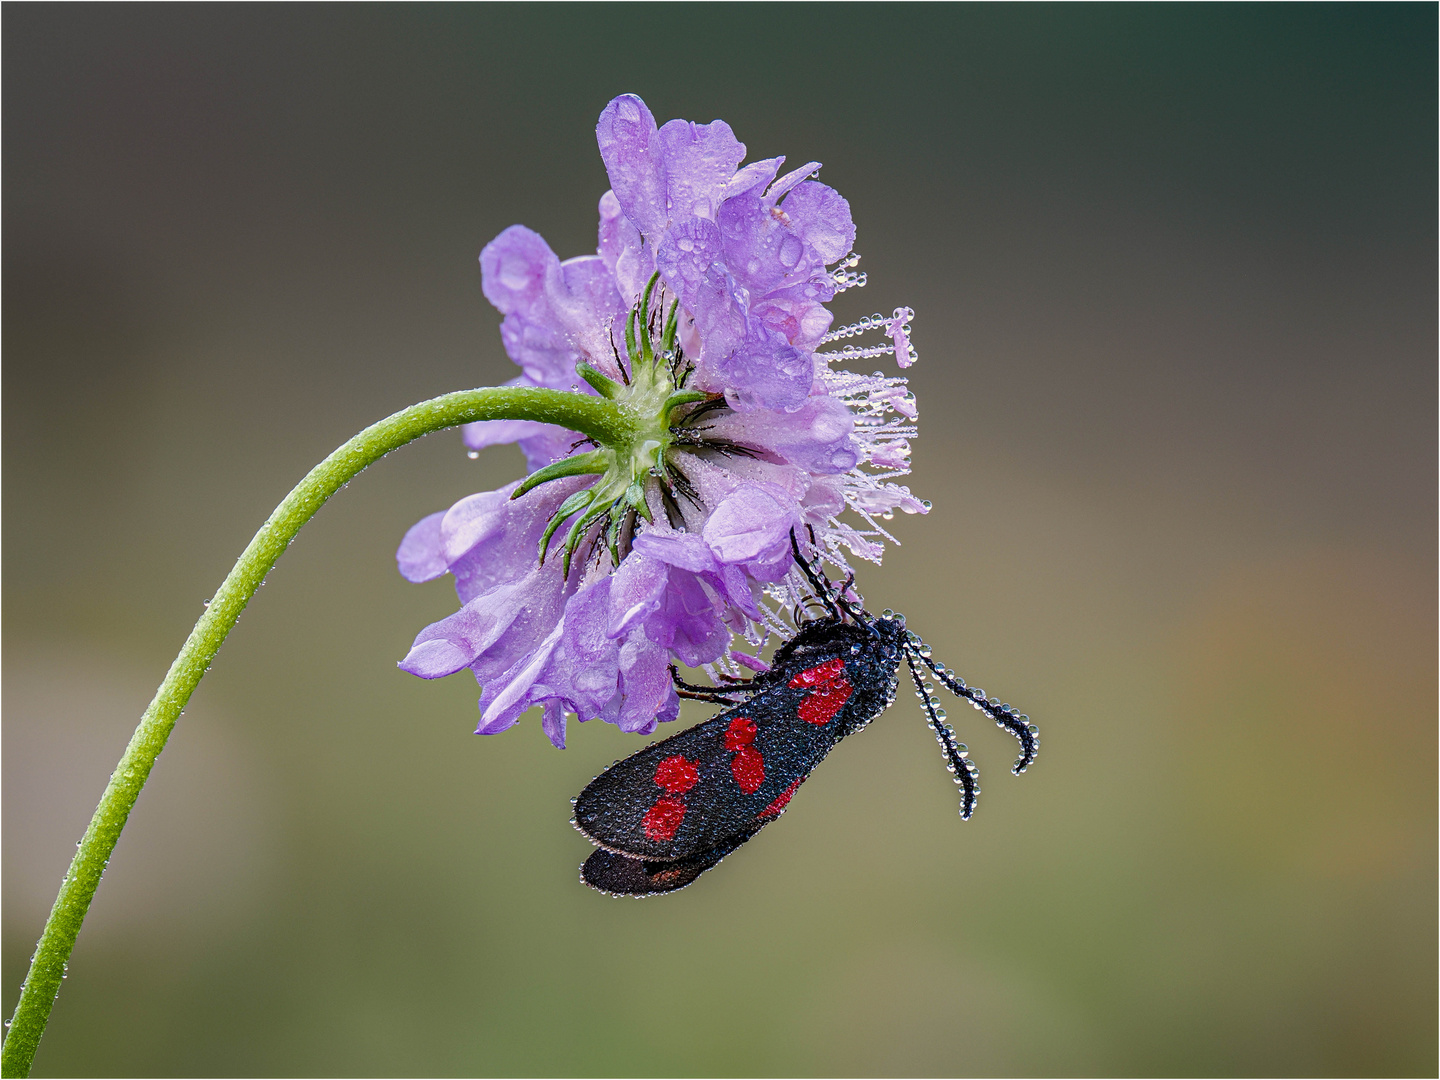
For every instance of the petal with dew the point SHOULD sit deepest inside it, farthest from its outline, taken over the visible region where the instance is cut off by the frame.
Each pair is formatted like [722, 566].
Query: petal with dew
[422, 554]
[699, 160]
[630, 147]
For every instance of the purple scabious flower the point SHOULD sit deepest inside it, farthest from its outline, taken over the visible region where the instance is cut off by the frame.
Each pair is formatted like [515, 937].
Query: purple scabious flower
[703, 311]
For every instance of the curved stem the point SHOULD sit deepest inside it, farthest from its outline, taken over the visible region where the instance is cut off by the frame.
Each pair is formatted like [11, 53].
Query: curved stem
[608, 422]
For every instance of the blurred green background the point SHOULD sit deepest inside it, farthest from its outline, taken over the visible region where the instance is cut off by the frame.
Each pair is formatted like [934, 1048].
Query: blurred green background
[1175, 277]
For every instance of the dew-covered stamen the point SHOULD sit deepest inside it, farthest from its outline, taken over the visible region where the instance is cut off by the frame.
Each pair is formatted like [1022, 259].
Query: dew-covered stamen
[884, 412]
[957, 755]
[896, 327]
[845, 276]
[1016, 723]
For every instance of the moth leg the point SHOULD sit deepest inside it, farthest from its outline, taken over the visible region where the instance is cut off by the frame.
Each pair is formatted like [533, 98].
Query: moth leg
[835, 602]
[957, 755]
[690, 695]
[720, 694]
[1015, 723]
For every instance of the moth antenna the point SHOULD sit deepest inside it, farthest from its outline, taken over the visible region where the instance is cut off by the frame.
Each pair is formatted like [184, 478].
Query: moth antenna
[957, 755]
[1015, 723]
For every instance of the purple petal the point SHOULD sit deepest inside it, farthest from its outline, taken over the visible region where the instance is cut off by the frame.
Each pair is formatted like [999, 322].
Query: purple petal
[752, 527]
[789, 180]
[754, 365]
[513, 268]
[521, 688]
[754, 663]
[738, 593]
[586, 307]
[549, 444]
[491, 539]
[637, 589]
[759, 250]
[685, 255]
[556, 314]
[766, 371]
[754, 176]
[435, 658]
[769, 247]
[518, 271]
[699, 161]
[824, 500]
[645, 686]
[719, 308]
[815, 436]
[590, 653]
[630, 148]
[483, 433]
[800, 322]
[552, 722]
[445, 647]
[685, 550]
[422, 555]
[821, 217]
[687, 622]
[624, 250]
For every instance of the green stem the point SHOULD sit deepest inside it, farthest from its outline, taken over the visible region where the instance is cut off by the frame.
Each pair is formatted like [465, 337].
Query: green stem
[607, 422]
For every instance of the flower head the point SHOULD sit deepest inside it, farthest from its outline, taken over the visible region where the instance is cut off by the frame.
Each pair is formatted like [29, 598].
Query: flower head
[703, 317]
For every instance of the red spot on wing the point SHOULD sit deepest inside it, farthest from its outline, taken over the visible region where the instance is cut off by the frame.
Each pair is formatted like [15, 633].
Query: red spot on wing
[781, 801]
[676, 775]
[740, 733]
[748, 768]
[663, 819]
[820, 706]
[820, 674]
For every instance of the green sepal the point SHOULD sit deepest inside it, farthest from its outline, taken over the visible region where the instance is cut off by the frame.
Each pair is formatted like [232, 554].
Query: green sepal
[630, 336]
[672, 323]
[605, 386]
[594, 462]
[578, 501]
[583, 522]
[612, 539]
[643, 317]
[678, 398]
[635, 499]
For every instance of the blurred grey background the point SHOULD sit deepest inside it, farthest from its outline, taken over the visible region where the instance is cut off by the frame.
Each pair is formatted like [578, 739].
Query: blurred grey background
[1175, 276]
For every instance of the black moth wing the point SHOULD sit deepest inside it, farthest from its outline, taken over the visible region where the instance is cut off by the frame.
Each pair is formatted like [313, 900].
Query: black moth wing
[827, 682]
[621, 875]
[612, 809]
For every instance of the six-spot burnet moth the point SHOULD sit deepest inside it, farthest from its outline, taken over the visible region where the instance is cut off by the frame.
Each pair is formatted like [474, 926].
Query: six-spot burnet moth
[665, 815]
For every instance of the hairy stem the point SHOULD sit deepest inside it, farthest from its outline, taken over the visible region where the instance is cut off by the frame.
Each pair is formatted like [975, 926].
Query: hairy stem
[607, 422]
